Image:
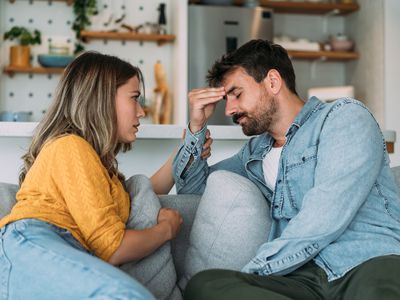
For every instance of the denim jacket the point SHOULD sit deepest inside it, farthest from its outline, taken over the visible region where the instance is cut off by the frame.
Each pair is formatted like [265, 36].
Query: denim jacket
[335, 199]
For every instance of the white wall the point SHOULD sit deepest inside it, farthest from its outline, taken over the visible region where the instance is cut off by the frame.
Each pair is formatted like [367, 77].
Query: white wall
[313, 73]
[145, 157]
[392, 69]
[366, 74]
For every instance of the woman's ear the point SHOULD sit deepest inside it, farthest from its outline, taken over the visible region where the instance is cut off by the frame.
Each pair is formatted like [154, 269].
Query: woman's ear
[273, 81]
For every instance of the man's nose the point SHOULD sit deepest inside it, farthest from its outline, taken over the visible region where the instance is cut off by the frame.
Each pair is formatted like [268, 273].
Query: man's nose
[230, 107]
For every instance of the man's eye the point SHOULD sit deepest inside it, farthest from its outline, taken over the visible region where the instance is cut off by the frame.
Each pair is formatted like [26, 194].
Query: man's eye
[238, 96]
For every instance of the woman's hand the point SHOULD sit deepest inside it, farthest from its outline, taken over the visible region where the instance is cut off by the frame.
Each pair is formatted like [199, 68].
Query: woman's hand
[206, 152]
[137, 244]
[172, 218]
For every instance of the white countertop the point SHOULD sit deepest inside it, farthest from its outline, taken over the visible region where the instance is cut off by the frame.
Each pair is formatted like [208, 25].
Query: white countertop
[149, 131]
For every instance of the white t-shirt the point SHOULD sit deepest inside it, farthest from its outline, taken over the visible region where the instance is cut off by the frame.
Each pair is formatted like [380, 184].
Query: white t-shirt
[271, 165]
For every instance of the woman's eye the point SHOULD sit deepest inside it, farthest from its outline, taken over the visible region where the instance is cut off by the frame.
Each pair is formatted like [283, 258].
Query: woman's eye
[139, 100]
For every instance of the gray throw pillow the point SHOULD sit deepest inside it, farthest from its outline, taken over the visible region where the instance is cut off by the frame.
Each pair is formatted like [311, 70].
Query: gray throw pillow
[187, 206]
[156, 271]
[231, 223]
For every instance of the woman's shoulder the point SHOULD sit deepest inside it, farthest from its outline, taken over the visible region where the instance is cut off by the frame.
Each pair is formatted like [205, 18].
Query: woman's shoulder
[68, 142]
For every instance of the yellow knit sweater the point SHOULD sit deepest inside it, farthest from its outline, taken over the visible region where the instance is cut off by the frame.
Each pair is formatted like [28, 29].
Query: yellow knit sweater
[69, 187]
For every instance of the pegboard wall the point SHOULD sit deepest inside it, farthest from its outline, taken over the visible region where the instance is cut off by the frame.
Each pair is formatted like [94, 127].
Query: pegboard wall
[34, 92]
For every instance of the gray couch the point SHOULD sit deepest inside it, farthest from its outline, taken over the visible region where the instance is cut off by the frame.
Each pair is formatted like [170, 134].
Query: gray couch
[213, 235]
[219, 231]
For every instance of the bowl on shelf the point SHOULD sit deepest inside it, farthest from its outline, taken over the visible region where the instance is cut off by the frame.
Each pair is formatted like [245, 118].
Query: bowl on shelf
[344, 45]
[54, 60]
[341, 42]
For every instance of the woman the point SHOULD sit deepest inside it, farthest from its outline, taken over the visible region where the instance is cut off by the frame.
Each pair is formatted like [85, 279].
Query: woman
[67, 229]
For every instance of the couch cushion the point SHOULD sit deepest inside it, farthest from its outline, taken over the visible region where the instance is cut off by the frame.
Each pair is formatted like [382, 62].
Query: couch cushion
[7, 197]
[187, 207]
[156, 271]
[231, 223]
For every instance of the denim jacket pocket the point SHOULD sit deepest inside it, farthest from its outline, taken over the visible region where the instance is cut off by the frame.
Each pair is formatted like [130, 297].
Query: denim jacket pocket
[5, 269]
[300, 168]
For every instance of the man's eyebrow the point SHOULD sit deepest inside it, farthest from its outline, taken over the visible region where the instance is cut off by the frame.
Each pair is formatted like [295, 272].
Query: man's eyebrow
[231, 90]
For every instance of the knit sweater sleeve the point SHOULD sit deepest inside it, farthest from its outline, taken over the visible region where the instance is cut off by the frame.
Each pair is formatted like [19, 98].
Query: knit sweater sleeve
[85, 186]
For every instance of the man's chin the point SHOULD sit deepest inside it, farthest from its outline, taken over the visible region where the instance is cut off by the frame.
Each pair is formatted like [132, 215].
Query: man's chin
[247, 131]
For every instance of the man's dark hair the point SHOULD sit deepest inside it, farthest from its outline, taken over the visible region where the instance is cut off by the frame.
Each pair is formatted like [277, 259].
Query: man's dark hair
[257, 57]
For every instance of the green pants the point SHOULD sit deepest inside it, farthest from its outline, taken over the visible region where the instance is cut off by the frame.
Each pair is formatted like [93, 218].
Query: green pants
[378, 278]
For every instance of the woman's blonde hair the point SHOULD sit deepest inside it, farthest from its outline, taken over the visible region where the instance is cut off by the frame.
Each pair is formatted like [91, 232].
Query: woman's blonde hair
[84, 105]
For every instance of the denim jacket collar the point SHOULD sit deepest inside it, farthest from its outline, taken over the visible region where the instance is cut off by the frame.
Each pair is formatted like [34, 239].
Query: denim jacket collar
[309, 107]
[266, 140]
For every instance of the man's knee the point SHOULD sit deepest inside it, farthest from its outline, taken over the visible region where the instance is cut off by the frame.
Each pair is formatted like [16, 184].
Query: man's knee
[200, 286]
[376, 279]
[376, 289]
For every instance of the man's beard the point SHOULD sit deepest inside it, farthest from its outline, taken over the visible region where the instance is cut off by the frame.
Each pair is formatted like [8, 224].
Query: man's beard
[261, 122]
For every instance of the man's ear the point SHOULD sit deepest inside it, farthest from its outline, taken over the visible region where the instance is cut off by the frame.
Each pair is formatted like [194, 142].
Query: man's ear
[273, 81]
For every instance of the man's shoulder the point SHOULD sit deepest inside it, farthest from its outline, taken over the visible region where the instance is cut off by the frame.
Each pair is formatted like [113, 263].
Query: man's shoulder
[342, 103]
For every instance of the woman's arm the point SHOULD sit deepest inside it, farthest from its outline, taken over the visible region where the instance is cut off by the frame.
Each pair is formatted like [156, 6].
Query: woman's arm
[163, 180]
[137, 244]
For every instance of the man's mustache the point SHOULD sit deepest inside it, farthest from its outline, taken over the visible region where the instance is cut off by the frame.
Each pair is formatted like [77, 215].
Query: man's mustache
[237, 116]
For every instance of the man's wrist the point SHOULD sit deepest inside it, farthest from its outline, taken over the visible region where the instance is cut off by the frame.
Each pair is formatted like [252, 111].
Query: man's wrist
[194, 128]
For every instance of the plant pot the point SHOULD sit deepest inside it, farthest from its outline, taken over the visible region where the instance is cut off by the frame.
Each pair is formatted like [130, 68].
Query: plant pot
[20, 56]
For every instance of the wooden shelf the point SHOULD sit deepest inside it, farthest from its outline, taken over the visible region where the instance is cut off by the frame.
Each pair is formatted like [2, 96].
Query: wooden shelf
[303, 7]
[32, 70]
[130, 36]
[323, 55]
[288, 7]
[69, 2]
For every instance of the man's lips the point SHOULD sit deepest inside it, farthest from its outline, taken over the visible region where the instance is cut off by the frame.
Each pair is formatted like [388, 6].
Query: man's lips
[238, 117]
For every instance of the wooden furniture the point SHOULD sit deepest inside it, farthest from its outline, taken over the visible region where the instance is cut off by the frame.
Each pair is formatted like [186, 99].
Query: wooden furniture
[323, 55]
[69, 2]
[130, 36]
[10, 70]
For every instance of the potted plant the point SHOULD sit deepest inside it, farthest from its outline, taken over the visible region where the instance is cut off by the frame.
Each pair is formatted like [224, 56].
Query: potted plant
[83, 10]
[20, 54]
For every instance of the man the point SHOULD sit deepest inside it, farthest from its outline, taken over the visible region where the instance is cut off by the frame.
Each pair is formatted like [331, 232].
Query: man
[323, 168]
